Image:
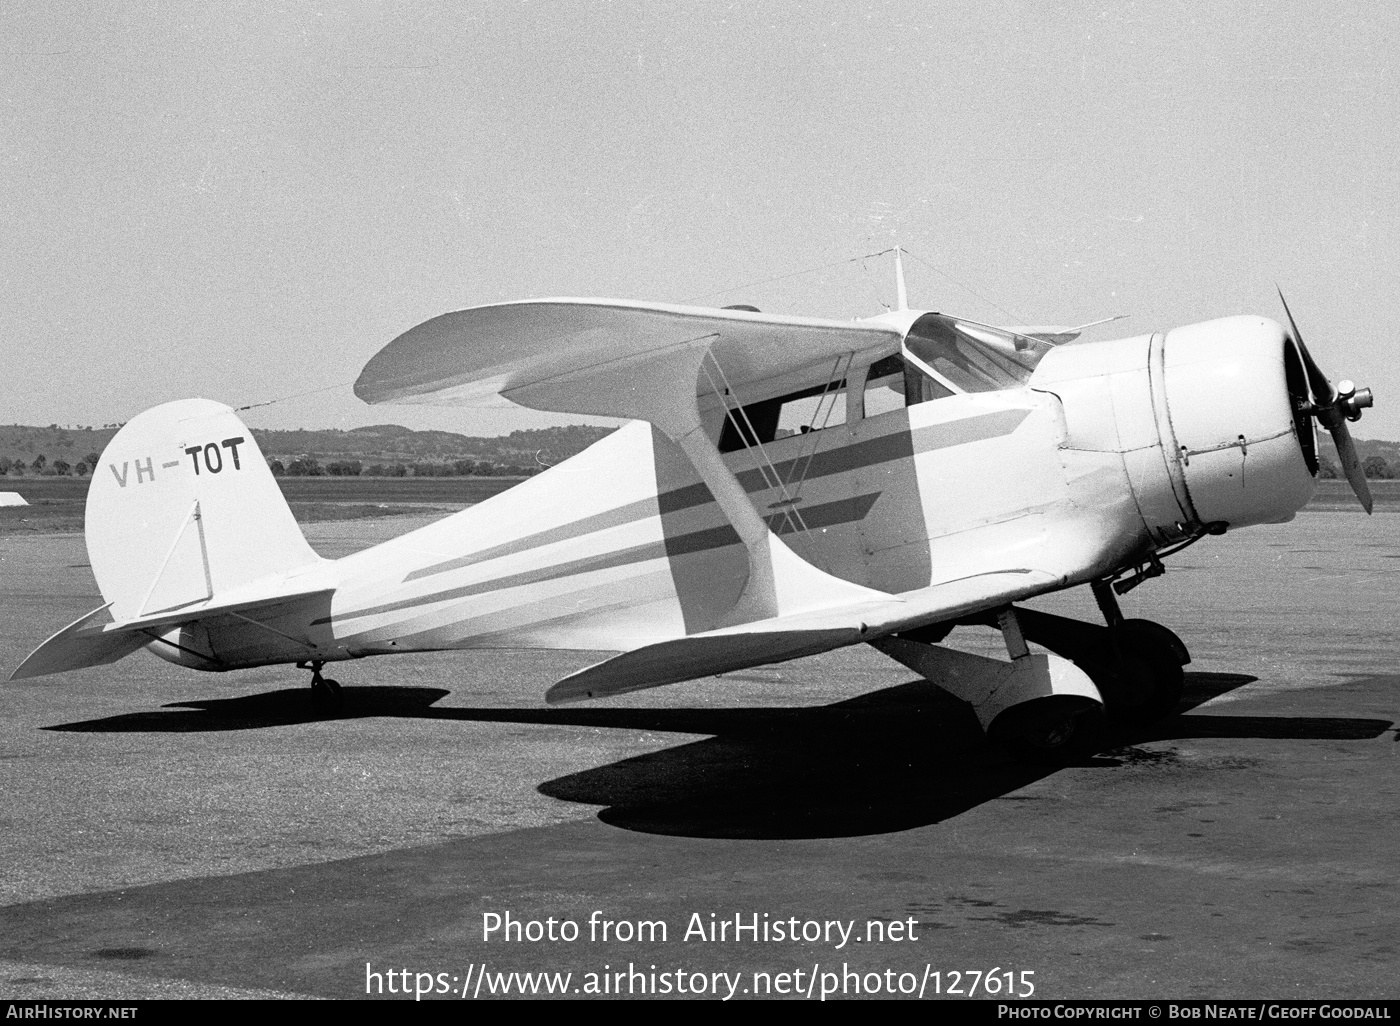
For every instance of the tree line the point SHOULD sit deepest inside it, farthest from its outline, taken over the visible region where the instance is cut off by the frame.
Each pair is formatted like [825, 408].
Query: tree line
[308, 466]
[41, 466]
[1376, 467]
[305, 466]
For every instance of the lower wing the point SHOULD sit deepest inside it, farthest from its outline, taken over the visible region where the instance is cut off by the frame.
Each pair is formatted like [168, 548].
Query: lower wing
[782, 638]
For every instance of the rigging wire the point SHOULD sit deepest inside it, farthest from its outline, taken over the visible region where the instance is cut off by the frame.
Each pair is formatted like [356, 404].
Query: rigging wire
[861, 260]
[836, 380]
[960, 285]
[871, 281]
[790, 512]
[784, 277]
[296, 395]
[720, 292]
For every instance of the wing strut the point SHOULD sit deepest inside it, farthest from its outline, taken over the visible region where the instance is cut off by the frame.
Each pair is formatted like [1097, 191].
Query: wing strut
[838, 374]
[770, 473]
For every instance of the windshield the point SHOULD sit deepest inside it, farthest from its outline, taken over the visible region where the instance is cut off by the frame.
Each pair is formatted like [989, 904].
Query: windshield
[972, 357]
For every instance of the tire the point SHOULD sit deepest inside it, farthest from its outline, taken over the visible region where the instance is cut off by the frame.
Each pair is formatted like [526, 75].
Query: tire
[1146, 682]
[1166, 635]
[1050, 731]
[325, 693]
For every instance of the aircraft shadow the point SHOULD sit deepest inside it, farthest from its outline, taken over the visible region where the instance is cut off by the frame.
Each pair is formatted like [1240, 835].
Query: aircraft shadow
[280, 708]
[289, 706]
[890, 760]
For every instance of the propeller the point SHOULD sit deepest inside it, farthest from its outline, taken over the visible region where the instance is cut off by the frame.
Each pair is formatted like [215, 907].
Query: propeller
[1333, 407]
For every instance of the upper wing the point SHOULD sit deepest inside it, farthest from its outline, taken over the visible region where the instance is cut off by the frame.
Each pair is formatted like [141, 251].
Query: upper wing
[541, 353]
[801, 634]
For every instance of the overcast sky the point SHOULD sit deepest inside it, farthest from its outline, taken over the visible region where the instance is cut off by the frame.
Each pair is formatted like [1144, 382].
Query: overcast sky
[245, 201]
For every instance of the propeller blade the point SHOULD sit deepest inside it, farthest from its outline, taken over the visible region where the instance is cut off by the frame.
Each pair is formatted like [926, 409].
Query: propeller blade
[1351, 464]
[1323, 394]
[1333, 409]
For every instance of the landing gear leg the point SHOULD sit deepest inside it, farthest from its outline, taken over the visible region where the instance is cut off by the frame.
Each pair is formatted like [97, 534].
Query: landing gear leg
[1136, 664]
[1107, 599]
[324, 690]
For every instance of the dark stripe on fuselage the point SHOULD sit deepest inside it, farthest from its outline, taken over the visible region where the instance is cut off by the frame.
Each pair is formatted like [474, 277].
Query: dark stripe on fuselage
[824, 515]
[678, 499]
[828, 514]
[699, 541]
[627, 514]
[896, 445]
[606, 561]
[972, 429]
[893, 446]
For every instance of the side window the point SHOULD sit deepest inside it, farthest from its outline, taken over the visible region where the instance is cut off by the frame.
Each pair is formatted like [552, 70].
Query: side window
[812, 413]
[884, 387]
[798, 413]
[920, 388]
[891, 385]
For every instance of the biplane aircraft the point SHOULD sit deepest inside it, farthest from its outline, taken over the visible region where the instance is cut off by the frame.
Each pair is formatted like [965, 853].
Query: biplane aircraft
[784, 486]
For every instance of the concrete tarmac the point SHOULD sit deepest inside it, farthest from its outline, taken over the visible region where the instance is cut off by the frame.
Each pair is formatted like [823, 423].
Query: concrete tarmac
[170, 833]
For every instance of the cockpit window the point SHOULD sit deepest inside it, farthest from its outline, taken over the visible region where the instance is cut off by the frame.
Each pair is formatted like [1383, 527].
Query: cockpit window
[797, 413]
[972, 357]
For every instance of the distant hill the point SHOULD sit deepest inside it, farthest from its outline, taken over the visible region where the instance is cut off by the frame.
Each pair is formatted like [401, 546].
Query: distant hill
[1365, 448]
[391, 442]
[383, 444]
[73, 446]
[518, 452]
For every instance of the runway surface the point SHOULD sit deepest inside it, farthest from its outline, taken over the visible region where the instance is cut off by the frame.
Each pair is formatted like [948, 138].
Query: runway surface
[170, 833]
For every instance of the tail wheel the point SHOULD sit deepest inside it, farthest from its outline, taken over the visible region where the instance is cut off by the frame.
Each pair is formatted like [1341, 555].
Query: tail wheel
[325, 691]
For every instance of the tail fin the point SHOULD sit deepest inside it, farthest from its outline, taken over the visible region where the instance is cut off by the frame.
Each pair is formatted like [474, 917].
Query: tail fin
[183, 507]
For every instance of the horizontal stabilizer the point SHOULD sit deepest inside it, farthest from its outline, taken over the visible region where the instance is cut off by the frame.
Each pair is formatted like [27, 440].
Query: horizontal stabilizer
[253, 608]
[782, 638]
[82, 644]
[71, 650]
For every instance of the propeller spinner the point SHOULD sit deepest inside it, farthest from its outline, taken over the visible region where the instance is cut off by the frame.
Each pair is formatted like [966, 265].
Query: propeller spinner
[1333, 407]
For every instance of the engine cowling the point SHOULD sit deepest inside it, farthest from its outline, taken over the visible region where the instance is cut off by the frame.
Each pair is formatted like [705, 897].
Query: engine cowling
[1234, 388]
[1211, 420]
